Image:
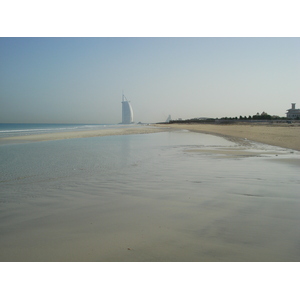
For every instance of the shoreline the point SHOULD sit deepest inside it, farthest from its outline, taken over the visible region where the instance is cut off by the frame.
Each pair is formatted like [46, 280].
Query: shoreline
[285, 136]
[280, 135]
[78, 134]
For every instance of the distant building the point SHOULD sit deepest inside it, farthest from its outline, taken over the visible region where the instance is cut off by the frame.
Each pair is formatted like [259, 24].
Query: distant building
[127, 113]
[293, 113]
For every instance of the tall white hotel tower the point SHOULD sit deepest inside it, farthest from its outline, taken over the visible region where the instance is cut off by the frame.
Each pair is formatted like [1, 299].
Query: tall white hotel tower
[127, 113]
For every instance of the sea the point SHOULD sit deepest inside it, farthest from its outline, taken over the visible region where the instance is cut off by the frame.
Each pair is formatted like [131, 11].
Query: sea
[21, 129]
[174, 196]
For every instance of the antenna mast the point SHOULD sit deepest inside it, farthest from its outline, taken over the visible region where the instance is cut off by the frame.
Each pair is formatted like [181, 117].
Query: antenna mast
[124, 97]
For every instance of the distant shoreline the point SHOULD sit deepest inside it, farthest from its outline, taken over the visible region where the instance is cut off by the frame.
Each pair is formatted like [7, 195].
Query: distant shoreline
[277, 134]
[79, 134]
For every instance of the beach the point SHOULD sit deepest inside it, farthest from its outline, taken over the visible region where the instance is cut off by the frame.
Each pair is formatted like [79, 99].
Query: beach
[170, 195]
[281, 135]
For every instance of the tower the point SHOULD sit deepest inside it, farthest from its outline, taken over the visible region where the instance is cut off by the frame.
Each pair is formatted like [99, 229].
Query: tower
[127, 113]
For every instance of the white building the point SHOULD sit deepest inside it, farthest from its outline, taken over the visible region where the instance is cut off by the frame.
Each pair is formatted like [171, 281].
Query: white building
[293, 113]
[127, 112]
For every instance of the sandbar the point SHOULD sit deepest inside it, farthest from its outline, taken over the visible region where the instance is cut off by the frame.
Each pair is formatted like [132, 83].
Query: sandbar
[281, 135]
[80, 134]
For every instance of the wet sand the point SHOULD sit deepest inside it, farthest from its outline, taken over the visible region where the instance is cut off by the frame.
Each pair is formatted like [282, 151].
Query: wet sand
[211, 201]
[156, 214]
[281, 135]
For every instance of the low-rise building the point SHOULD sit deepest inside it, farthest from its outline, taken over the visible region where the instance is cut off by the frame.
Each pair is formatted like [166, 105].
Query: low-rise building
[293, 113]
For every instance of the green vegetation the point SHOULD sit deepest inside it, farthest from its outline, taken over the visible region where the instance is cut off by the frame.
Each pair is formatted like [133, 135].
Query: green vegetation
[263, 117]
[229, 120]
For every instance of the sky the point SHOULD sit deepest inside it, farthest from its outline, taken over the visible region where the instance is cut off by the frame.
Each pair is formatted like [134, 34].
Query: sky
[214, 74]
[80, 80]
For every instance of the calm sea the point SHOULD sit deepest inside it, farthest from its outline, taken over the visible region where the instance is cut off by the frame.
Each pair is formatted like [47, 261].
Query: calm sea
[168, 196]
[15, 129]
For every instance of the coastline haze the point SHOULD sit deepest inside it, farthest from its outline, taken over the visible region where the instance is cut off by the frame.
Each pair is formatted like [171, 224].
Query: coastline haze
[80, 80]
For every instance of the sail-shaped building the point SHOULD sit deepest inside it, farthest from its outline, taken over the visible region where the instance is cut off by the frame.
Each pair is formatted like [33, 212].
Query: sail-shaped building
[127, 112]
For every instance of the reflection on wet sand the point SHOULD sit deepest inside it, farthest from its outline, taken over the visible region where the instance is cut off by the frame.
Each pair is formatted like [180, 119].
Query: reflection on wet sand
[172, 199]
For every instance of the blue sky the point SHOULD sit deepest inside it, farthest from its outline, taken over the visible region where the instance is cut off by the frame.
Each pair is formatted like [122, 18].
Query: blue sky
[80, 80]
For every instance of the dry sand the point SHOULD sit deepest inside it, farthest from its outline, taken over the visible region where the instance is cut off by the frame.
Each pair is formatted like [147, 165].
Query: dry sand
[79, 134]
[281, 135]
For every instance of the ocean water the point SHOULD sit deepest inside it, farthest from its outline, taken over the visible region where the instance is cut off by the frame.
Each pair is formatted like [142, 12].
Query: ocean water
[16, 129]
[168, 196]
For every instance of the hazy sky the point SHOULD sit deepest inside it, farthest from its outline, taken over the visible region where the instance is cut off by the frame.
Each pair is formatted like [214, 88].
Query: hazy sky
[80, 80]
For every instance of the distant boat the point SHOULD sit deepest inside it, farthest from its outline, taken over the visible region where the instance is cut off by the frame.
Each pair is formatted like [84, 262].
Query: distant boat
[127, 112]
[169, 119]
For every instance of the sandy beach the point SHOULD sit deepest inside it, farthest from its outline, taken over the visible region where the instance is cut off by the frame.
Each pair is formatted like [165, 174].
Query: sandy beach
[281, 135]
[172, 196]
